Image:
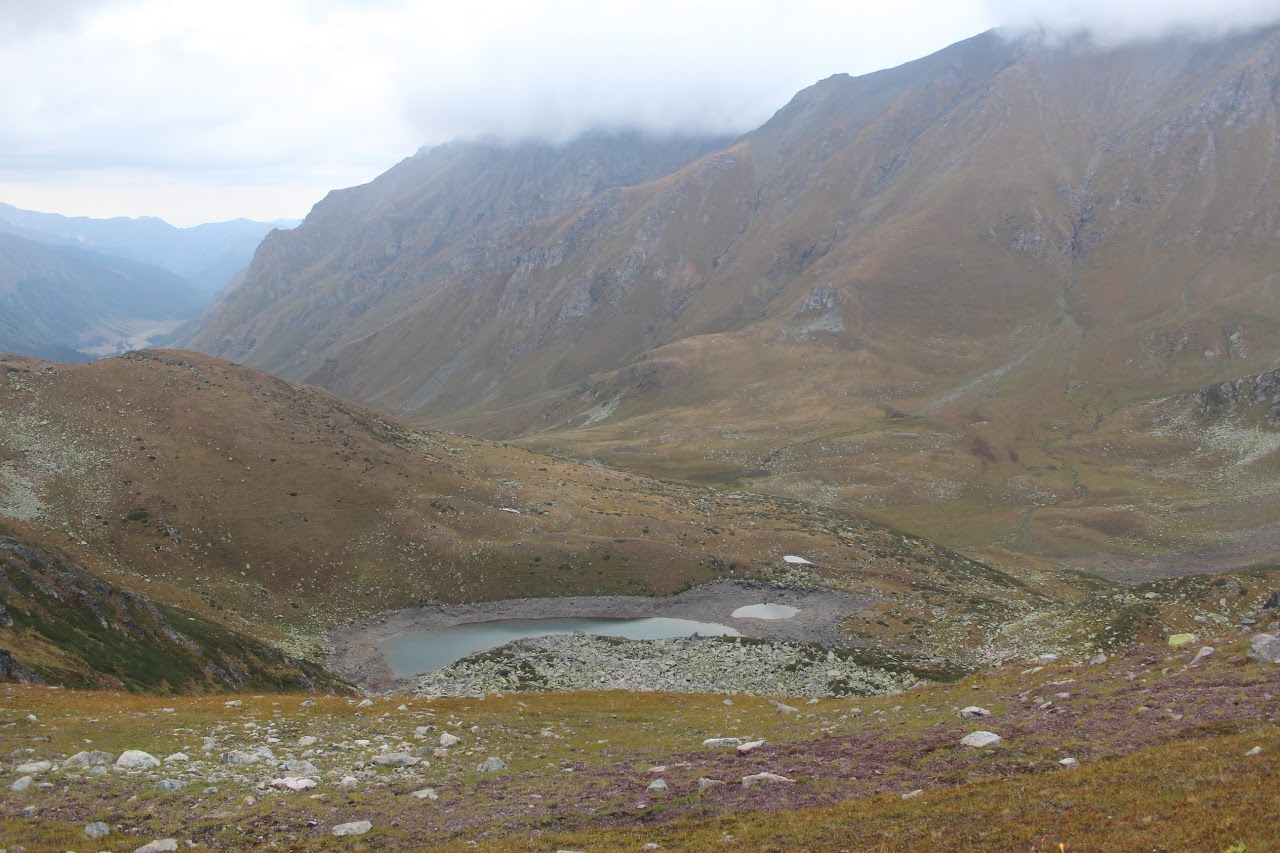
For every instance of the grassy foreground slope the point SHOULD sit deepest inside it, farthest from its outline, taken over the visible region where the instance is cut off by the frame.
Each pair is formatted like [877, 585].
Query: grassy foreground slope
[1164, 746]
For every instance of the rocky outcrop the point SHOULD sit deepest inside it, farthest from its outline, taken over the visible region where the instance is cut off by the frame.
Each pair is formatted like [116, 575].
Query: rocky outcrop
[1261, 392]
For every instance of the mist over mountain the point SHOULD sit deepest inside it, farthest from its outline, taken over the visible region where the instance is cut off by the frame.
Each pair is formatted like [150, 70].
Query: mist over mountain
[1012, 241]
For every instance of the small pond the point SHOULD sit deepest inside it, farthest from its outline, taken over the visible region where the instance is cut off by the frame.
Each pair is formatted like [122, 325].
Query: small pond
[766, 611]
[425, 651]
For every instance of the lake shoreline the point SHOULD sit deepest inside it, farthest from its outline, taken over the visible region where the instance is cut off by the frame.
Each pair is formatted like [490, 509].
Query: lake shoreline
[357, 652]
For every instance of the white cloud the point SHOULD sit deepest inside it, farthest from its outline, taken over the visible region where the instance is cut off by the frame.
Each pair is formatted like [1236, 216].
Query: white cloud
[276, 101]
[1110, 22]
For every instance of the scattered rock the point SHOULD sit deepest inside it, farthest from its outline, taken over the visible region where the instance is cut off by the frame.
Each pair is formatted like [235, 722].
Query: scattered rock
[911, 795]
[365, 703]
[447, 740]
[136, 759]
[973, 712]
[491, 765]
[97, 829]
[1098, 659]
[163, 845]
[293, 784]
[1176, 640]
[705, 784]
[658, 786]
[1203, 653]
[763, 778]
[1069, 762]
[171, 784]
[750, 746]
[21, 785]
[306, 740]
[1265, 648]
[397, 759]
[93, 758]
[427, 794]
[722, 741]
[176, 757]
[981, 739]
[300, 767]
[34, 767]
[358, 827]
[234, 703]
[783, 708]
[1257, 750]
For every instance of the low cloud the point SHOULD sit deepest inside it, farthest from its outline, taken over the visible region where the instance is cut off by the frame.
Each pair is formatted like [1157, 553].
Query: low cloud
[1113, 22]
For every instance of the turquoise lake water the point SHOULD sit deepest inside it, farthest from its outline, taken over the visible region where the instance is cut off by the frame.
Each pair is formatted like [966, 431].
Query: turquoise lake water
[411, 654]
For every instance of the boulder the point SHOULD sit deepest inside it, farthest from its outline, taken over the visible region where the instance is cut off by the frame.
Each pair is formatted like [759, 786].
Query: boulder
[163, 845]
[85, 760]
[306, 740]
[981, 739]
[722, 741]
[491, 765]
[426, 794]
[34, 767]
[447, 740]
[358, 827]
[300, 768]
[21, 785]
[136, 759]
[750, 746]
[396, 759]
[171, 784]
[1265, 648]
[293, 784]
[763, 779]
[973, 712]
[176, 757]
[97, 829]
[705, 784]
[1176, 640]
[658, 786]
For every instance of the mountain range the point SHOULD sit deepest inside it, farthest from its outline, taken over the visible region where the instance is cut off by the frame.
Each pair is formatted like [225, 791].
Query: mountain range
[75, 289]
[974, 296]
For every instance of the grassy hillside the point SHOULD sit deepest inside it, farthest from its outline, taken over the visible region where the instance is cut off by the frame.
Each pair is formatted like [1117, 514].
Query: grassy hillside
[63, 625]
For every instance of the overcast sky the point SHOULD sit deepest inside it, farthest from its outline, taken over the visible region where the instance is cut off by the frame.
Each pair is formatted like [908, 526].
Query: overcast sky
[204, 112]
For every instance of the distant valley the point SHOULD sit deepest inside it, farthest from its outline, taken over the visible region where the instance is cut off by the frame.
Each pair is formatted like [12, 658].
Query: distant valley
[75, 289]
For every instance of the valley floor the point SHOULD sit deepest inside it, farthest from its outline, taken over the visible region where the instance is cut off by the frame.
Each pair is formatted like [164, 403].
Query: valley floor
[1174, 749]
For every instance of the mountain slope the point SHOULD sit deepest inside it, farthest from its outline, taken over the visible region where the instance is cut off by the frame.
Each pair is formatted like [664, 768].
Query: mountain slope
[1006, 243]
[74, 305]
